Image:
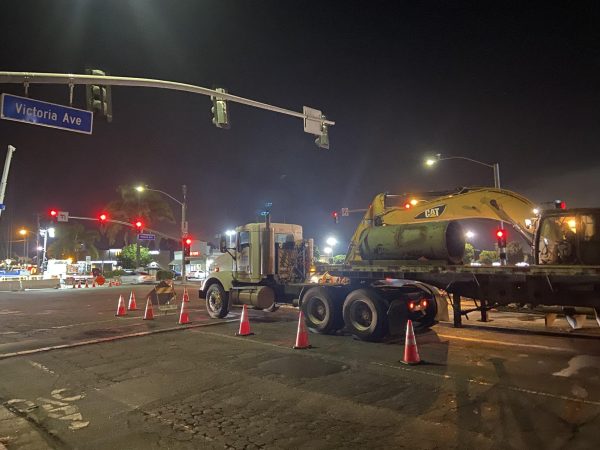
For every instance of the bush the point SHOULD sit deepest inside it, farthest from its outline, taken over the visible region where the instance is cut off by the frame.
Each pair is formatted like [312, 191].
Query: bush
[164, 275]
[112, 273]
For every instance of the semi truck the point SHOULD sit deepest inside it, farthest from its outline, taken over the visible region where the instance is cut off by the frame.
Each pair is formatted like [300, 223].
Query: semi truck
[405, 260]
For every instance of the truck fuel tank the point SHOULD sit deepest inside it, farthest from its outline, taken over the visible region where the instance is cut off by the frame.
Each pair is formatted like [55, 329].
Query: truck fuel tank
[260, 296]
[432, 241]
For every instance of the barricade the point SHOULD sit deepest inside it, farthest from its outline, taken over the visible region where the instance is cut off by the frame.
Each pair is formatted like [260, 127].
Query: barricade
[164, 297]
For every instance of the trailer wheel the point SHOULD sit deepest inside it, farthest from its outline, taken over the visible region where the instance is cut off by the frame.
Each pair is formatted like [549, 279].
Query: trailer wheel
[217, 301]
[322, 313]
[365, 315]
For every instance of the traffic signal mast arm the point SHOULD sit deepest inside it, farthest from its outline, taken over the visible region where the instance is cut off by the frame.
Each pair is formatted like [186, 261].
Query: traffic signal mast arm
[127, 224]
[478, 203]
[27, 78]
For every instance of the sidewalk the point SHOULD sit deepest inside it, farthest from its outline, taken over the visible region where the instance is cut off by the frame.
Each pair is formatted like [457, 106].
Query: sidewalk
[19, 433]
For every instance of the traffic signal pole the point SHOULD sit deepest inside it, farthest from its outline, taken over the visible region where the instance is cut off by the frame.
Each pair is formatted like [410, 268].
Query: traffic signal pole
[9, 153]
[27, 78]
[184, 230]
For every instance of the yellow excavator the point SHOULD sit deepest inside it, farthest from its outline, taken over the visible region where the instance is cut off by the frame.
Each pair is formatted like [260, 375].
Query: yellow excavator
[557, 236]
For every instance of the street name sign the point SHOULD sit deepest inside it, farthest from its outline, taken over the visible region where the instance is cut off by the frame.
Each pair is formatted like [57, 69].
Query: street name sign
[345, 212]
[62, 216]
[146, 237]
[53, 115]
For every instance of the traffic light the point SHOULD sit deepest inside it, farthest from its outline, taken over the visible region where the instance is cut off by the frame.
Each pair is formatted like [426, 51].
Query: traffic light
[336, 217]
[501, 237]
[138, 225]
[219, 110]
[187, 246]
[98, 97]
[103, 217]
[559, 204]
[53, 213]
[322, 140]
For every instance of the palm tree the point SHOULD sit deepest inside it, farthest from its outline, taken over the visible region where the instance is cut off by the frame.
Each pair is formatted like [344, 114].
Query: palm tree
[150, 207]
[73, 240]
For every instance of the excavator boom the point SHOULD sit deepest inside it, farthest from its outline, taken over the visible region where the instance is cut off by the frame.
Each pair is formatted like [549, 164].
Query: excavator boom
[476, 203]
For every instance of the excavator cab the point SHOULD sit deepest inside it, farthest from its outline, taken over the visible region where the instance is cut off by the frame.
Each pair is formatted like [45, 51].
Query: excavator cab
[569, 237]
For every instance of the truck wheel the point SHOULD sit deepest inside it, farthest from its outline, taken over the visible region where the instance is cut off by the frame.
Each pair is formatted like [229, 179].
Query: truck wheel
[322, 313]
[365, 315]
[217, 301]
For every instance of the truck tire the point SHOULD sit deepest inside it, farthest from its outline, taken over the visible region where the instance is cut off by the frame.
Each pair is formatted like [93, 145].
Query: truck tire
[365, 315]
[322, 313]
[217, 301]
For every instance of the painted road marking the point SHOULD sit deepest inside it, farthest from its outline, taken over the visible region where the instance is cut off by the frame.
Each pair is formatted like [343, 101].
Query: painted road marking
[578, 362]
[509, 344]
[109, 339]
[487, 383]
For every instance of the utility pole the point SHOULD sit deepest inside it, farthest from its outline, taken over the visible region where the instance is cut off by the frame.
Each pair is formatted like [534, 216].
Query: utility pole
[184, 230]
[9, 153]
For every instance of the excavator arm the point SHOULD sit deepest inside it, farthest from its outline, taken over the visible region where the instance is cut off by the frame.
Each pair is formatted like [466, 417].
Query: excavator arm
[476, 203]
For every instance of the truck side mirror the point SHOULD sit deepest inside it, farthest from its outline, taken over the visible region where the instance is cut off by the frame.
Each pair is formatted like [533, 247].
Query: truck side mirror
[223, 244]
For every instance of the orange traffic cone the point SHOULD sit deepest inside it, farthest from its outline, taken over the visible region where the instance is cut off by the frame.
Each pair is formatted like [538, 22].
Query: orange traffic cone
[121, 307]
[411, 354]
[86, 284]
[302, 335]
[149, 312]
[132, 306]
[184, 317]
[94, 283]
[244, 324]
[186, 297]
[79, 285]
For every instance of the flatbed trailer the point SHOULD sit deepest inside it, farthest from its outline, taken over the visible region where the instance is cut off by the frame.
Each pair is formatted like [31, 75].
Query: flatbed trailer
[564, 286]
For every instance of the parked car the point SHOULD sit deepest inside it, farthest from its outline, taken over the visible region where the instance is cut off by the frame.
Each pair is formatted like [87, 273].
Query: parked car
[138, 278]
[197, 274]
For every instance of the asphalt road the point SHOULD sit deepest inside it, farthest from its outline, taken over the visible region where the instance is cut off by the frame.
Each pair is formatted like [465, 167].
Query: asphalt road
[75, 376]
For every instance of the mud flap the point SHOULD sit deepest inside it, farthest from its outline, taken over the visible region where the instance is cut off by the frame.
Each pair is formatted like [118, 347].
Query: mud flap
[397, 316]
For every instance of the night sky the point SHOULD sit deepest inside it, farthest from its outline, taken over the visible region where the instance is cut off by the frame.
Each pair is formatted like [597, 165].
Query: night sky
[513, 83]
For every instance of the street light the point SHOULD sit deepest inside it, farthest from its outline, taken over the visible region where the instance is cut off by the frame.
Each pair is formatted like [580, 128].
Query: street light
[184, 226]
[495, 167]
[23, 232]
[469, 234]
[331, 241]
[46, 233]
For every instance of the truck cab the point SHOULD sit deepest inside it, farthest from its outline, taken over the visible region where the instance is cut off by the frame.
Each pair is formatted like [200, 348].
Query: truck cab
[568, 237]
[267, 259]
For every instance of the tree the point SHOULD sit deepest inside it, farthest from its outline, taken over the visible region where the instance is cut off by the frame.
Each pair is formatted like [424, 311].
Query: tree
[488, 256]
[339, 259]
[149, 206]
[127, 258]
[74, 241]
[514, 252]
[469, 253]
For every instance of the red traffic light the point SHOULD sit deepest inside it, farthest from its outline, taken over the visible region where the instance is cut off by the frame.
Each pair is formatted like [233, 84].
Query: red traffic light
[335, 216]
[53, 213]
[188, 241]
[138, 224]
[103, 217]
[500, 233]
[559, 204]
